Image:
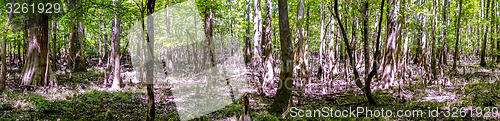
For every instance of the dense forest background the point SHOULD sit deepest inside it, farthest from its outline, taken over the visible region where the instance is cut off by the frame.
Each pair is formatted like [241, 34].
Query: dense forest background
[76, 60]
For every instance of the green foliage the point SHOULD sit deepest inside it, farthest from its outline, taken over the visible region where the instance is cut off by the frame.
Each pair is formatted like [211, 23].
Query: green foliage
[44, 109]
[265, 117]
[171, 116]
[482, 94]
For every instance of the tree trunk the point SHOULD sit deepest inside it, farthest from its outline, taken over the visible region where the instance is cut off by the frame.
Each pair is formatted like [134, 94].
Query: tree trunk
[444, 50]
[149, 67]
[76, 59]
[392, 36]
[209, 32]
[498, 31]
[455, 58]
[285, 86]
[268, 48]
[11, 57]
[365, 12]
[304, 63]
[257, 42]
[492, 40]
[299, 43]
[72, 36]
[433, 45]
[248, 43]
[322, 41]
[3, 68]
[418, 42]
[54, 48]
[80, 64]
[376, 58]
[36, 70]
[101, 53]
[485, 39]
[19, 56]
[115, 37]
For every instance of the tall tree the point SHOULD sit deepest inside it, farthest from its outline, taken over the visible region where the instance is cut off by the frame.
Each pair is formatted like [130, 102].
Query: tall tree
[365, 12]
[285, 84]
[257, 42]
[444, 49]
[320, 74]
[54, 45]
[150, 6]
[497, 29]
[101, 52]
[115, 54]
[392, 35]
[268, 47]
[491, 25]
[209, 21]
[36, 70]
[485, 38]
[248, 42]
[76, 59]
[3, 68]
[457, 27]
[433, 43]
[301, 40]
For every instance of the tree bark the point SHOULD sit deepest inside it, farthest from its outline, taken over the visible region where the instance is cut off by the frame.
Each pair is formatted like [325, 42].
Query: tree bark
[72, 49]
[485, 39]
[19, 56]
[498, 31]
[80, 64]
[492, 40]
[444, 50]
[115, 37]
[101, 52]
[36, 70]
[392, 35]
[257, 42]
[376, 58]
[433, 45]
[299, 39]
[248, 43]
[285, 86]
[320, 74]
[3, 67]
[149, 67]
[209, 31]
[365, 12]
[418, 40]
[455, 58]
[54, 48]
[268, 48]
[76, 59]
[299, 44]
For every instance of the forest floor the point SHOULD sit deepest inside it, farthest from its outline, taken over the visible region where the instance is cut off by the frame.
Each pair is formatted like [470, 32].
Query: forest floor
[81, 96]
